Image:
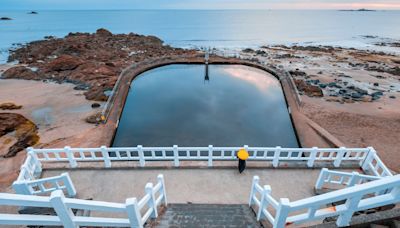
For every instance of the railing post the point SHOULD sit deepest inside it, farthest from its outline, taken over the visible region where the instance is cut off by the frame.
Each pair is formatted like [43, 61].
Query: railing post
[351, 205]
[210, 155]
[176, 156]
[152, 201]
[339, 157]
[277, 154]
[246, 148]
[256, 179]
[69, 185]
[106, 157]
[63, 212]
[282, 213]
[160, 179]
[20, 187]
[70, 156]
[313, 155]
[133, 211]
[263, 201]
[355, 177]
[368, 159]
[38, 165]
[321, 178]
[142, 162]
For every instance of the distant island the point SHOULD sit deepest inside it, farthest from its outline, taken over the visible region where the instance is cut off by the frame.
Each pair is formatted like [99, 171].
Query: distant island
[359, 10]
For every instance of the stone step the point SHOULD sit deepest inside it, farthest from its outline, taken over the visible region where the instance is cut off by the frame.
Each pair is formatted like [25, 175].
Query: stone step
[206, 215]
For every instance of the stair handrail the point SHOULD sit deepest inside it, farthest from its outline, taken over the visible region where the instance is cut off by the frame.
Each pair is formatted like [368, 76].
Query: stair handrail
[356, 198]
[265, 200]
[374, 165]
[42, 186]
[65, 217]
[342, 178]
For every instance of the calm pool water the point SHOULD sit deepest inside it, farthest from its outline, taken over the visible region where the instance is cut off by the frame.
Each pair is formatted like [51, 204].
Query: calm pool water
[174, 104]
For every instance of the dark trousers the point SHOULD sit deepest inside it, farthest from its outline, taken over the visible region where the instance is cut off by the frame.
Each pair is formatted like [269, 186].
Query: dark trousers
[242, 165]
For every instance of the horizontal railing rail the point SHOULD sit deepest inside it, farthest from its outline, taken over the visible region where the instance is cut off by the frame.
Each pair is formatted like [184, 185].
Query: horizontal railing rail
[275, 155]
[65, 217]
[355, 198]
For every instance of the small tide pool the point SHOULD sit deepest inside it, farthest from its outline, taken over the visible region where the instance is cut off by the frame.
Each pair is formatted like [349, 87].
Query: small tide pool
[231, 105]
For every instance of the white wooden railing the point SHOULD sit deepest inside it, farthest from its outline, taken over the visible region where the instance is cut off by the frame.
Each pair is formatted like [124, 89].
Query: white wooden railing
[356, 198]
[31, 169]
[45, 185]
[30, 183]
[263, 200]
[155, 196]
[342, 178]
[275, 155]
[373, 164]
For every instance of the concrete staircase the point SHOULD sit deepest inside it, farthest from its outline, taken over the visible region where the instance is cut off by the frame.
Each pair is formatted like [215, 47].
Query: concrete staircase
[206, 215]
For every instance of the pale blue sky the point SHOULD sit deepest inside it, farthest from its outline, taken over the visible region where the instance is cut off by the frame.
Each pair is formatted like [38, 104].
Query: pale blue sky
[198, 4]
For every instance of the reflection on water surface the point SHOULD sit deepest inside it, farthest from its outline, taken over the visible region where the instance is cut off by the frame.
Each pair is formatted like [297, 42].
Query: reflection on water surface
[236, 106]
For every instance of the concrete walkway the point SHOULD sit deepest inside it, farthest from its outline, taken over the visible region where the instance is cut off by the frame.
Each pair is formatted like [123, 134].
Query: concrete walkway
[219, 186]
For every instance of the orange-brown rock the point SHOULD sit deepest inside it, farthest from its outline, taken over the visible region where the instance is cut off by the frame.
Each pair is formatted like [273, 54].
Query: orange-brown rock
[21, 129]
[92, 61]
[64, 62]
[9, 106]
[20, 72]
[309, 90]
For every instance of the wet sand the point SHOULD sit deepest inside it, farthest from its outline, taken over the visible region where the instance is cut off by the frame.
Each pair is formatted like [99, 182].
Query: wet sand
[58, 110]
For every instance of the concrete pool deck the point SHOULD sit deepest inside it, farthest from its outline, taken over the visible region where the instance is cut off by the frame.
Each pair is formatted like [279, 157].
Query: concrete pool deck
[184, 185]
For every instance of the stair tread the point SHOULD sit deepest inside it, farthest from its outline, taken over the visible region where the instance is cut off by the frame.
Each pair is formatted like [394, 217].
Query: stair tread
[207, 215]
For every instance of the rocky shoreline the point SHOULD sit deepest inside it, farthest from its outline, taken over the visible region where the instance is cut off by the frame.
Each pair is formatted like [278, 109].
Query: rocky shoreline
[353, 94]
[92, 62]
[334, 79]
[346, 91]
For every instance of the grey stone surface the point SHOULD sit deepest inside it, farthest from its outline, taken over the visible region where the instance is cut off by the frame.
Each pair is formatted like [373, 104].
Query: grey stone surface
[207, 215]
[204, 186]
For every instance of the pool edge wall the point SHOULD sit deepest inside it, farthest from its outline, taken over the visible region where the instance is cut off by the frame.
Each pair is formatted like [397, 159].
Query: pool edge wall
[307, 132]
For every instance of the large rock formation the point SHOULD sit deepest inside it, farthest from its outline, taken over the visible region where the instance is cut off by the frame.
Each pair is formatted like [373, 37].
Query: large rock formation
[91, 61]
[16, 134]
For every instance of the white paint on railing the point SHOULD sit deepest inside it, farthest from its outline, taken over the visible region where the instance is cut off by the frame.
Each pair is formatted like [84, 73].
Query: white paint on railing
[373, 164]
[356, 198]
[63, 208]
[342, 178]
[175, 154]
[45, 185]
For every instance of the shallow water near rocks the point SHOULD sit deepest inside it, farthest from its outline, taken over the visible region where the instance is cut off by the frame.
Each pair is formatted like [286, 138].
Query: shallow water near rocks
[177, 105]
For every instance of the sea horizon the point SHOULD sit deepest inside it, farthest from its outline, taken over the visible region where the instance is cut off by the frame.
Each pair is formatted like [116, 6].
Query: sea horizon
[211, 28]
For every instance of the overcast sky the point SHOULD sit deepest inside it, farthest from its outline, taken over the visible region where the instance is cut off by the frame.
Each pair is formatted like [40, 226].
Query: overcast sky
[198, 4]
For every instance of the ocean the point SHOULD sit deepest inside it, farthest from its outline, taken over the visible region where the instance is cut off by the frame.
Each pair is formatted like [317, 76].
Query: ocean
[230, 29]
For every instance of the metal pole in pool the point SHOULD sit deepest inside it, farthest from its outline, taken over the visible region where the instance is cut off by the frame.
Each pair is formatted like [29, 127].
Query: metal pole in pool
[206, 58]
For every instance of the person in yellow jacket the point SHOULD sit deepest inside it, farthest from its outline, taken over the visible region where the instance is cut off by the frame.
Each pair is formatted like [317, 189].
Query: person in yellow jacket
[242, 154]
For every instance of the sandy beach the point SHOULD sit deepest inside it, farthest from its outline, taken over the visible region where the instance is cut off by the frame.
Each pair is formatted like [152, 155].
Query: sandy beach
[58, 110]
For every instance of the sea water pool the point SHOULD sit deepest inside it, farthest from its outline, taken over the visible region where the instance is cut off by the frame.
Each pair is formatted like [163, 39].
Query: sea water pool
[233, 105]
